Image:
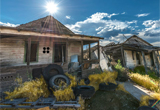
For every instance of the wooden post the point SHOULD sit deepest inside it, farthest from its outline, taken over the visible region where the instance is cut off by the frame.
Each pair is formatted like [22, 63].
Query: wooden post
[89, 51]
[123, 58]
[82, 54]
[156, 62]
[158, 54]
[28, 51]
[98, 52]
[67, 52]
[144, 60]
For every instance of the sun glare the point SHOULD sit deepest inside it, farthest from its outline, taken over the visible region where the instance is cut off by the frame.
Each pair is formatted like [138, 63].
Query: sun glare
[51, 7]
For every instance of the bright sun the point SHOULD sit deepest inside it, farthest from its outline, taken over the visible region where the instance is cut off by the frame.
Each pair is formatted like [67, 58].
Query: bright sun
[51, 7]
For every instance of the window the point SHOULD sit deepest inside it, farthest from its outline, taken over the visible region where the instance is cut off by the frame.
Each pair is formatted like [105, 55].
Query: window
[34, 52]
[60, 52]
[138, 58]
[44, 25]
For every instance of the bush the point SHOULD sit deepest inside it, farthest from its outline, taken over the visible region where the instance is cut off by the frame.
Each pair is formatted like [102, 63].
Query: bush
[139, 69]
[146, 81]
[118, 66]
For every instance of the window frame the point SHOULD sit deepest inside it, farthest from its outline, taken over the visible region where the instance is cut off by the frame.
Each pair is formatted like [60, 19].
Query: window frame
[25, 51]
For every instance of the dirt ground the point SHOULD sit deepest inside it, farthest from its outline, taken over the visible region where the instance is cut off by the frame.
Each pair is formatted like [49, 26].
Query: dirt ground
[112, 100]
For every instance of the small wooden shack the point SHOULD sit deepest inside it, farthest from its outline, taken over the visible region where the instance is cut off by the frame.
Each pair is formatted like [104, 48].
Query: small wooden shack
[133, 52]
[37, 44]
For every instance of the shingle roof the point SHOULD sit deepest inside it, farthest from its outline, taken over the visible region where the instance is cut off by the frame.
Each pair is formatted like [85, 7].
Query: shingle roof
[47, 24]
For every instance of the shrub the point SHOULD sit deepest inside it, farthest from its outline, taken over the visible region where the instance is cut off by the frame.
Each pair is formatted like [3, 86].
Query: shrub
[146, 81]
[118, 66]
[139, 69]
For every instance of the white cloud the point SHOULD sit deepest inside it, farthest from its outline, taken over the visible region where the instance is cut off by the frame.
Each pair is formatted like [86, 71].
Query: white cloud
[97, 25]
[123, 13]
[119, 38]
[68, 17]
[8, 24]
[104, 42]
[142, 15]
[152, 27]
[156, 43]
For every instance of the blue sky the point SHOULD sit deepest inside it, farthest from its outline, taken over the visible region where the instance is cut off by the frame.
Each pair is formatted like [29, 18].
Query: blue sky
[104, 18]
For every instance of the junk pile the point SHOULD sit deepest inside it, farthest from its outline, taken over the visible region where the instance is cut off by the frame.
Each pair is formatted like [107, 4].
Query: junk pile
[55, 89]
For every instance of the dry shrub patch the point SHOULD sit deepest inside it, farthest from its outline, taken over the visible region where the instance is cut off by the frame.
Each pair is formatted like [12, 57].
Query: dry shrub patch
[146, 81]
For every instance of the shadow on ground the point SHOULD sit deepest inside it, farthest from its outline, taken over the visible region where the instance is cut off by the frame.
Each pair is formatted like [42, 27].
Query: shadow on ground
[112, 100]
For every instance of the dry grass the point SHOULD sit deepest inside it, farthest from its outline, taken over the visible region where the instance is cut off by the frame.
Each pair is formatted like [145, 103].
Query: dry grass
[146, 81]
[145, 99]
[31, 89]
[36, 88]
[121, 87]
[104, 77]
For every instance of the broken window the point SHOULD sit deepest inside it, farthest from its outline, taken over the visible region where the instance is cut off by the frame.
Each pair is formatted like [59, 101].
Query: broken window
[152, 60]
[60, 52]
[138, 58]
[33, 52]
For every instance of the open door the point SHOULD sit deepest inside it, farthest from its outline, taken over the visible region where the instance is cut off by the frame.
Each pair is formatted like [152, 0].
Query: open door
[59, 52]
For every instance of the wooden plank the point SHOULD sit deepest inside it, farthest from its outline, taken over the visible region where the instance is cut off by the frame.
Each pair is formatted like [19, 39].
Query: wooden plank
[158, 54]
[89, 51]
[156, 63]
[82, 54]
[122, 53]
[34, 103]
[53, 102]
[98, 51]
[144, 60]
[28, 51]
[18, 102]
[67, 51]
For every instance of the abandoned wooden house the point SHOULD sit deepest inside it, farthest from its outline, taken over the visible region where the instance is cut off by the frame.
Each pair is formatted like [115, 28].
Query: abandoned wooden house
[37, 44]
[133, 52]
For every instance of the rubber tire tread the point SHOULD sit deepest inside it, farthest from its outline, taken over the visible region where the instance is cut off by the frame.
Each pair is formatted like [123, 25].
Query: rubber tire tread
[50, 67]
[109, 87]
[54, 86]
[85, 93]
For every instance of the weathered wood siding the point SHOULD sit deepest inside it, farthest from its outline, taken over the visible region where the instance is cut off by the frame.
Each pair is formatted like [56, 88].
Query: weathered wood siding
[130, 63]
[74, 48]
[11, 52]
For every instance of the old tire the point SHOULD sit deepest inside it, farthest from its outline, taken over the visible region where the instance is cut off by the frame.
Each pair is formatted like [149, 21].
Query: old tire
[36, 73]
[146, 108]
[109, 87]
[84, 91]
[52, 70]
[56, 79]
[122, 78]
[86, 81]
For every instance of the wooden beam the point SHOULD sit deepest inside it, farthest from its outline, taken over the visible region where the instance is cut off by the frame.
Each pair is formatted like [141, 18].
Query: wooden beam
[28, 51]
[156, 63]
[67, 51]
[122, 53]
[158, 54]
[144, 60]
[98, 51]
[89, 51]
[82, 54]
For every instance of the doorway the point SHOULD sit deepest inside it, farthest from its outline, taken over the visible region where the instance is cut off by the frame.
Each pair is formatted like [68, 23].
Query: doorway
[59, 52]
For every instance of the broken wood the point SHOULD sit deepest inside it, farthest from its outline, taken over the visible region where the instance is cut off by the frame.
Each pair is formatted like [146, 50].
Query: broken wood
[98, 51]
[122, 53]
[89, 51]
[144, 60]
[156, 62]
